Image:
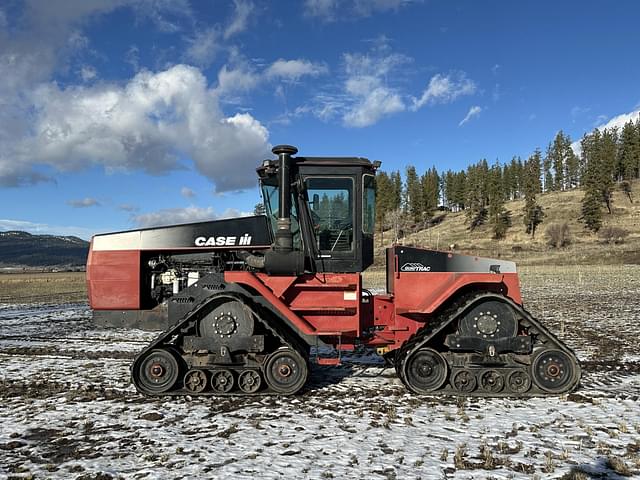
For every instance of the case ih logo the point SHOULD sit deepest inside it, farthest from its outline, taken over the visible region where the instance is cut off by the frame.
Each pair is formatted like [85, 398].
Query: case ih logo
[414, 267]
[223, 241]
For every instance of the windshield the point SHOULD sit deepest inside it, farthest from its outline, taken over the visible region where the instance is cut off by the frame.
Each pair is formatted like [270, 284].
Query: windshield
[271, 197]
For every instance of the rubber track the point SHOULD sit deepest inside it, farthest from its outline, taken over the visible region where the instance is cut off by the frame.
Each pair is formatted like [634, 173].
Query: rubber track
[189, 322]
[541, 334]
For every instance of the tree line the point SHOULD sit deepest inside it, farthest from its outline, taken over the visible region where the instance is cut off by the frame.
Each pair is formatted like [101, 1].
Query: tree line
[608, 159]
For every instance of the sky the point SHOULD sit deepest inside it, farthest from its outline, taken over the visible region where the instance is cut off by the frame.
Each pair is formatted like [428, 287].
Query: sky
[120, 114]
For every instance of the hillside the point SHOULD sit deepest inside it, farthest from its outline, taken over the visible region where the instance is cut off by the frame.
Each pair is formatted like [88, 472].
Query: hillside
[584, 248]
[22, 249]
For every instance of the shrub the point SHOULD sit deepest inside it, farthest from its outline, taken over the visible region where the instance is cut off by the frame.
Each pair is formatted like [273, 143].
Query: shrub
[613, 235]
[558, 235]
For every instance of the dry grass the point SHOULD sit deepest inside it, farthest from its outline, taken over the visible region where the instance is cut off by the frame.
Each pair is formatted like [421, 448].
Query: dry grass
[43, 287]
[559, 207]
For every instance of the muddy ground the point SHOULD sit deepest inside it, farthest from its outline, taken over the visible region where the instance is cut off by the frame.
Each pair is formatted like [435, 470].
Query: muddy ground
[67, 409]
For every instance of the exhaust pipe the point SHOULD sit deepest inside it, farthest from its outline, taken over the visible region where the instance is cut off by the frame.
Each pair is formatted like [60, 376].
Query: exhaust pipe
[283, 237]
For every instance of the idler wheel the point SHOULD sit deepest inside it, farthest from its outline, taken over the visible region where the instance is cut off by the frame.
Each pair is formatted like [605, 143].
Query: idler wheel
[195, 381]
[519, 381]
[158, 371]
[553, 371]
[491, 381]
[286, 371]
[222, 381]
[464, 381]
[249, 381]
[425, 371]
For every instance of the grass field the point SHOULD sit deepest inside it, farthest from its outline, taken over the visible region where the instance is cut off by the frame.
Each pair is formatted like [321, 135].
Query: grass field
[43, 287]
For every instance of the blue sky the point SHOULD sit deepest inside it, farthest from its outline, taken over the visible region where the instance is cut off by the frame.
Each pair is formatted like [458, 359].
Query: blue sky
[127, 113]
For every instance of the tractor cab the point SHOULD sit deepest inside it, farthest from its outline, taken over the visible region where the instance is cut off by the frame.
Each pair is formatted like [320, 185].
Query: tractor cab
[327, 205]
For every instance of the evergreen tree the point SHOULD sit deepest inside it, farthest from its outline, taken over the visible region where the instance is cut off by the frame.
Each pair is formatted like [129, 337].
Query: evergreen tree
[546, 169]
[396, 179]
[592, 200]
[384, 201]
[557, 158]
[533, 171]
[498, 217]
[607, 152]
[571, 164]
[430, 192]
[627, 162]
[591, 211]
[533, 213]
[413, 195]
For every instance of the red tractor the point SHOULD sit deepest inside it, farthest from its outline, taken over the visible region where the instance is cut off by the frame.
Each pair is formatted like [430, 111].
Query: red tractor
[246, 303]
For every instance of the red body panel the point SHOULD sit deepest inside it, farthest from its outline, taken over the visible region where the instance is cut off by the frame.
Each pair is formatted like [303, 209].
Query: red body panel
[113, 279]
[320, 304]
[425, 292]
[332, 307]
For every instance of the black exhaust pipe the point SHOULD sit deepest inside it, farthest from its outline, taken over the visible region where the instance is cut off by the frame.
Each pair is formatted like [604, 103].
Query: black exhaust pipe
[283, 237]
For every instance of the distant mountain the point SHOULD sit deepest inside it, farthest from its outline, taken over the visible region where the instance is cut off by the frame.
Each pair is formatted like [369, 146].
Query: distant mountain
[24, 249]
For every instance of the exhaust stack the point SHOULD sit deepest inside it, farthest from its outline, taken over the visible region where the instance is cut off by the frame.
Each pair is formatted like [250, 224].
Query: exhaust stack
[283, 236]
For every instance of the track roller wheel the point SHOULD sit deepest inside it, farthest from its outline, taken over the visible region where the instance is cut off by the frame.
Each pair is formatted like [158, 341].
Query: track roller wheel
[464, 381]
[195, 381]
[158, 371]
[222, 381]
[286, 371]
[491, 381]
[519, 381]
[553, 371]
[249, 381]
[425, 370]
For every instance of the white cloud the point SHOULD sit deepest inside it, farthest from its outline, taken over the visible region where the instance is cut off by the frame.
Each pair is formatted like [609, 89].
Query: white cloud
[186, 192]
[616, 122]
[240, 20]
[45, 229]
[175, 216]
[331, 10]
[619, 120]
[87, 73]
[126, 207]
[473, 112]
[236, 79]
[445, 89]
[84, 203]
[324, 9]
[203, 47]
[371, 96]
[146, 124]
[293, 70]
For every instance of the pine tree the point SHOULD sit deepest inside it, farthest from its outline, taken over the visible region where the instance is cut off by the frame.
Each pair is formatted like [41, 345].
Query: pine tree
[558, 150]
[591, 211]
[592, 200]
[627, 161]
[546, 169]
[607, 165]
[413, 195]
[498, 217]
[396, 179]
[571, 164]
[384, 201]
[533, 213]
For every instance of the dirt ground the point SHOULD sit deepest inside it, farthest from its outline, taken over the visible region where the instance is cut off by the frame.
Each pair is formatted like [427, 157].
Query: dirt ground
[67, 408]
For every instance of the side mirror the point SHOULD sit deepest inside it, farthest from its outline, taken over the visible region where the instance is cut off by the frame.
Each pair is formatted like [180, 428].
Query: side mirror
[316, 201]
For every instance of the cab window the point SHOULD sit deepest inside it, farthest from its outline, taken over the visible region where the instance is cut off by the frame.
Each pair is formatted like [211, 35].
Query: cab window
[271, 196]
[331, 207]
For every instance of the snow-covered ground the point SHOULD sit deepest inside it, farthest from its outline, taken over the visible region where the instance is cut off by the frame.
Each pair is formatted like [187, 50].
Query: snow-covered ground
[67, 409]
